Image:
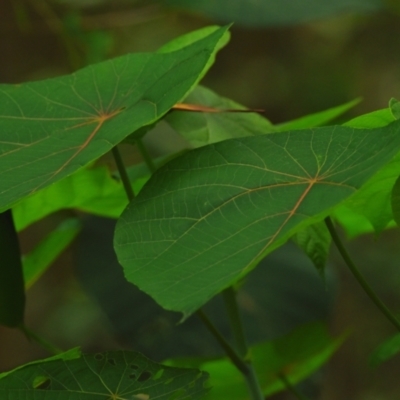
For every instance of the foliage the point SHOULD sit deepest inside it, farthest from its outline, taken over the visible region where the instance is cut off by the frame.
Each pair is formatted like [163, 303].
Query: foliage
[194, 224]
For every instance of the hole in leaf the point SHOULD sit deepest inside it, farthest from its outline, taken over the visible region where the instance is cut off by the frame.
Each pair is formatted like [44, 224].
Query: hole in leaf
[132, 376]
[176, 395]
[158, 374]
[41, 382]
[98, 356]
[112, 361]
[144, 376]
[133, 366]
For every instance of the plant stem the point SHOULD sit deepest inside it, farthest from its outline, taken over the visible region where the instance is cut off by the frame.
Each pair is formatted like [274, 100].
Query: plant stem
[229, 296]
[244, 366]
[360, 278]
[230, 352]
[122, 173]
[292, 389]
[146, 156]
[30, 335]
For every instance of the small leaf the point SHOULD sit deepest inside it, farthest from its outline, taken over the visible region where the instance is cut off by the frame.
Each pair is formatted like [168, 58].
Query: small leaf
[386, 350]
[115, 375]
[315, 241]
[42, 256]
[317, 119]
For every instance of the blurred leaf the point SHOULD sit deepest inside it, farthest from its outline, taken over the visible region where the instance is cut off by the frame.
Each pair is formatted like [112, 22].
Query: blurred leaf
[115, 375]
[42, 256]
[374, 199]
[12, 290]
[317, 119]
[353, 223]
[207, 218]
[396, 201]
[65, 123]
[394, 106]
[315, 241]
[200, 129]
[297, 355]
[386, 350]
[259, 13]
[93, 190]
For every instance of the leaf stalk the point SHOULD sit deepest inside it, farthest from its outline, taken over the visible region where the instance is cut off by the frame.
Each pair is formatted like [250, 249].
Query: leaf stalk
[122, 173]
[358, 275]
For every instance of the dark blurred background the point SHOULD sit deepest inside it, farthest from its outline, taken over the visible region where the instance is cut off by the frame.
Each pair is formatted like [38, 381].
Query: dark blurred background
[288, 61]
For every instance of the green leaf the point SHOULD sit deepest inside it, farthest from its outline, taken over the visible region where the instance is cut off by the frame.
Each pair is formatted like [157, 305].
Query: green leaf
[297, 355]
[373, 200]
[353, 223]
[42, 256]
[315, 241]
[115, 375]
[271, 12]
[50, 129]
[200, 129]
[206, 219]
[396, 201]
[317, 119]
[386, 350]
[394, 106]
[92, 190]
[12, 291]
[70, 354]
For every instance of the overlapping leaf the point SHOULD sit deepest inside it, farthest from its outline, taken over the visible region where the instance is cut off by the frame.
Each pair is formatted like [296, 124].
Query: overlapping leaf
[207, 218]
[50, 129]
[115, 375]
[200, 129]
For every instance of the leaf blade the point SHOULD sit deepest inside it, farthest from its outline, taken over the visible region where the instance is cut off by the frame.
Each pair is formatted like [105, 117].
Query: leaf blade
[207, 218]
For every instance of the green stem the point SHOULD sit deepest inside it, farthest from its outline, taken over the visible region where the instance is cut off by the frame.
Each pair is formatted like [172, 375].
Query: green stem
[229, 296]
[360, 278]
[292, 389]
[230, 352]
[122, 173]
[32, 336]
[146, 156]
[244, 366]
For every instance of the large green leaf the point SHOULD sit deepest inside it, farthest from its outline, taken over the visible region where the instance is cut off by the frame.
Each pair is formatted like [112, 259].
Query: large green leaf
[273, 12]
[49, 129]
[116, 375]
[207, 218]
[200, 129]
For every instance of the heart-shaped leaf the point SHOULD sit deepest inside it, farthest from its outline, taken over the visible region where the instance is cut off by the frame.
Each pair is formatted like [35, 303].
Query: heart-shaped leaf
[49, 129]
[207, 218]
